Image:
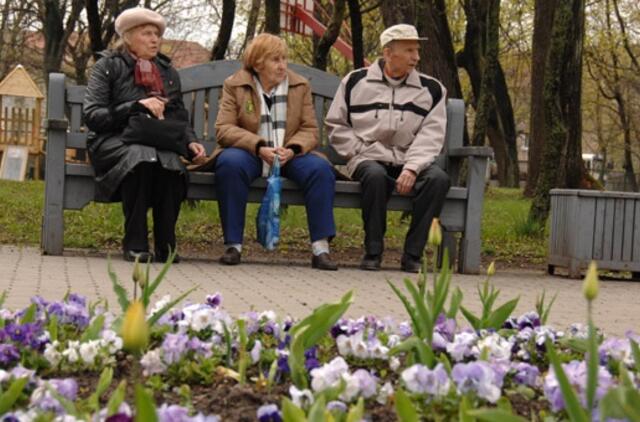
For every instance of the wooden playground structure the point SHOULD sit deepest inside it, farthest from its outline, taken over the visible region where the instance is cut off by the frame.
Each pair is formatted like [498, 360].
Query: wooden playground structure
[21, 118]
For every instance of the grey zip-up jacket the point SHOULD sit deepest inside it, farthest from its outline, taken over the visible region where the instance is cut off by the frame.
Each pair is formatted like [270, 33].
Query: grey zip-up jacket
[370, 119]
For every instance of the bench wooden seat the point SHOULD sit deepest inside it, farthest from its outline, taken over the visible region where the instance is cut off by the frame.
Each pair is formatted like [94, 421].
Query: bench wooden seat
[71, 185]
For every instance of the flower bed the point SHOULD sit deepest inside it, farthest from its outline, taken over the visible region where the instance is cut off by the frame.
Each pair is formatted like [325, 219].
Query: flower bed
[74, 360]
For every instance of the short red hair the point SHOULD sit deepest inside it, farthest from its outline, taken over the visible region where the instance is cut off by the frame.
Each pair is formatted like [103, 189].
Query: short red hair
[261, 47]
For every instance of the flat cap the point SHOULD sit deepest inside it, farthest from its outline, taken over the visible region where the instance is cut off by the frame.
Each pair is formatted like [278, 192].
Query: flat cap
[137, 16]
[399, 32]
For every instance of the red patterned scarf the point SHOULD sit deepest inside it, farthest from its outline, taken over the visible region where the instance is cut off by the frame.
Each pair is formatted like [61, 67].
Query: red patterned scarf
[148, 76]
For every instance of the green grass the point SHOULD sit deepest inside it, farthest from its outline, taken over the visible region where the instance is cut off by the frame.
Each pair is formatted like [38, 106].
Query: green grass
[507, 237]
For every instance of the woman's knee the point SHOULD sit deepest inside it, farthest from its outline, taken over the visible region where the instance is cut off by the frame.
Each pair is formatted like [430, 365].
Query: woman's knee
[234, 161]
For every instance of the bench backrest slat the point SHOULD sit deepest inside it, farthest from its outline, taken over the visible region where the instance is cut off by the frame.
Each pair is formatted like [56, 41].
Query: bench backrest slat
[212, 102]
[187, 99]
[198, 114]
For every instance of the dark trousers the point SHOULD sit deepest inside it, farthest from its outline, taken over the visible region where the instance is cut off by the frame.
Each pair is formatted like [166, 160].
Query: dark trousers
[150, 185]
[378, 181]
[235, 170]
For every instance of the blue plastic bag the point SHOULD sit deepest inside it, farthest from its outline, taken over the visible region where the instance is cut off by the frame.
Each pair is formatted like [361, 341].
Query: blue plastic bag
[268, 218]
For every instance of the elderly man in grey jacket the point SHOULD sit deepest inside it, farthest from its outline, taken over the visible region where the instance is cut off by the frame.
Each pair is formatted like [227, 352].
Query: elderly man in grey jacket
[389, 122]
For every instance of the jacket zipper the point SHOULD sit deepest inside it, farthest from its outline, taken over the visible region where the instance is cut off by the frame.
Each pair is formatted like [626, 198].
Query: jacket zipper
[393, 98]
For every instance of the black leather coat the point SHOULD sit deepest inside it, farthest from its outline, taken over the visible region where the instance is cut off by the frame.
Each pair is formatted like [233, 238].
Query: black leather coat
[110, 94]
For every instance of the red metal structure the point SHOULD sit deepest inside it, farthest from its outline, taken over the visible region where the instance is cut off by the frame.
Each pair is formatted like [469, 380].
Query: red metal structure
[297, 16]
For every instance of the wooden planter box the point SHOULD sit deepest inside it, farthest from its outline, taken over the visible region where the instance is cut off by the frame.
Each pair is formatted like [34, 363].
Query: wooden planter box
[591, 225]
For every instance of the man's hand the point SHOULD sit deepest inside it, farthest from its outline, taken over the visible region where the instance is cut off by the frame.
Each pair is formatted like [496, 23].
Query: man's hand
[405, 182]
[198, 152]
[267, 154]
[284, 154]
[155, 105]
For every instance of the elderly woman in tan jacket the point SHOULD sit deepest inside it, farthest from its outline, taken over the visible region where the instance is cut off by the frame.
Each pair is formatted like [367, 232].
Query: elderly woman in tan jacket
[266, 112]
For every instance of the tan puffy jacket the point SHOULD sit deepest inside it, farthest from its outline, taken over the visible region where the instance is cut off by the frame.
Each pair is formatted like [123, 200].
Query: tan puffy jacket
[238, 119]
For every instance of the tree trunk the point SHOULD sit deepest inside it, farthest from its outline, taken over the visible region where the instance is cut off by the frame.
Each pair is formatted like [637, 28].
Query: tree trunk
[102, 23]
[4, 19]
[355, 16]
[272, 16]
[629, 174]
[330, 35]
[395, 12]
[492, 103]
[544, 13]
[57, 32]
[252, 23]
[438, 57]
[224, 34]
[562, 164]
[95, 27]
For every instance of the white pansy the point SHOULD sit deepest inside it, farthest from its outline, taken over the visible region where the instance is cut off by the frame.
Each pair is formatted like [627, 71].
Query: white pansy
[498, 348]
[351, 388]
[344, 345]
[111, 341]
[164, 301]
[51, 353]
[255, 352]
[152, 362]
[301, 398]
[394, 363]
[71, 352]
[385, 392]
[89, 351]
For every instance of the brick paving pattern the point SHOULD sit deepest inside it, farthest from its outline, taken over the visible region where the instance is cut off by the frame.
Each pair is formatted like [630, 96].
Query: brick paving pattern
[296, 290]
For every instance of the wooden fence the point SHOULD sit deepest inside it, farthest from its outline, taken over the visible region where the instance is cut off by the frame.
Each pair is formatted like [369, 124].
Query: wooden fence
[21, 126]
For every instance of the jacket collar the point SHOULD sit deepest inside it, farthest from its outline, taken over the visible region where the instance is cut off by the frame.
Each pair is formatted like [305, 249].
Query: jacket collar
[245, 78]
[160, 59]
[375, 73]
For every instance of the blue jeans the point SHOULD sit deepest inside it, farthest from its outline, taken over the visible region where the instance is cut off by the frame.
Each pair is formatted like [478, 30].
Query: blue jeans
[236, 168]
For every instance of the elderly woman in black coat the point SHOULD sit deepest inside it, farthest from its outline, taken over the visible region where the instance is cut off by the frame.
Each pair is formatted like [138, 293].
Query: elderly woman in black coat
[134, 91]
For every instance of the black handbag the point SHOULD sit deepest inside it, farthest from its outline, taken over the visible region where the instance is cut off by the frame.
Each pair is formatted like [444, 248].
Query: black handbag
[144, 128]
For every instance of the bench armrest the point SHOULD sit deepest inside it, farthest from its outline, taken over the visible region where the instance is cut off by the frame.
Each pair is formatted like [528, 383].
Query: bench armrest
[471, 152]
[56, 124]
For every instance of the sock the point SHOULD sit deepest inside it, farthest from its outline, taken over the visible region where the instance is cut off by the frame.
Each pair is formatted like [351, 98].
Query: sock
[238, 246]
[320, 246]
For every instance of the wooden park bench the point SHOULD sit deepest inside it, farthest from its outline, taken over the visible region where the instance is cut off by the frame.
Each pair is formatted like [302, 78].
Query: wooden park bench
[71, 185]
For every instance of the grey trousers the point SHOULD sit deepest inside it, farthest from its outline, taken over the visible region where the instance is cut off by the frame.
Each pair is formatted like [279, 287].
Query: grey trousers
[378, 182]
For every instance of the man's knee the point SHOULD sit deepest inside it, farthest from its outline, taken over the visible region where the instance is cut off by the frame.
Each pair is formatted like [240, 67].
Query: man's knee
[370, 172]
[438, 178]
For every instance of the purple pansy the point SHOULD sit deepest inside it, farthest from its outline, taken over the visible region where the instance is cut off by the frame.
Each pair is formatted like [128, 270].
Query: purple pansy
[478, 377]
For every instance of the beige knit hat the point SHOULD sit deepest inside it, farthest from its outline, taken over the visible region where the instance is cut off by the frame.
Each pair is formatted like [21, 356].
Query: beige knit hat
[137, 16]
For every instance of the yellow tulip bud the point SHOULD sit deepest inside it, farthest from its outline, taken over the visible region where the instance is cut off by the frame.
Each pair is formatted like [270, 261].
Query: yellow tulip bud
[492, 269]
[135, 329]
[590, 285]
[435, 233]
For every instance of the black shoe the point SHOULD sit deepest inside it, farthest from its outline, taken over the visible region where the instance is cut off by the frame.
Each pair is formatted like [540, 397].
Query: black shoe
[410, 264]
[323, 262]
[231, 257]
[143, 256]
[371, 262]
[164, 258]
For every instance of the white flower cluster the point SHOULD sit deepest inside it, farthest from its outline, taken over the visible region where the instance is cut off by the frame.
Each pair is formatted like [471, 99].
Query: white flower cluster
[360, 383]
[199, 317]
[84, 354]
[355, 345]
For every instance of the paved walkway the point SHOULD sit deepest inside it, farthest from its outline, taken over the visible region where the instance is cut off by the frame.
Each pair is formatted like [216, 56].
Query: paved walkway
[296, 290]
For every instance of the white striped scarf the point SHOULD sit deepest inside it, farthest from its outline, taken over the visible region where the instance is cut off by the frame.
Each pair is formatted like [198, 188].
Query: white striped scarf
[273, 123]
